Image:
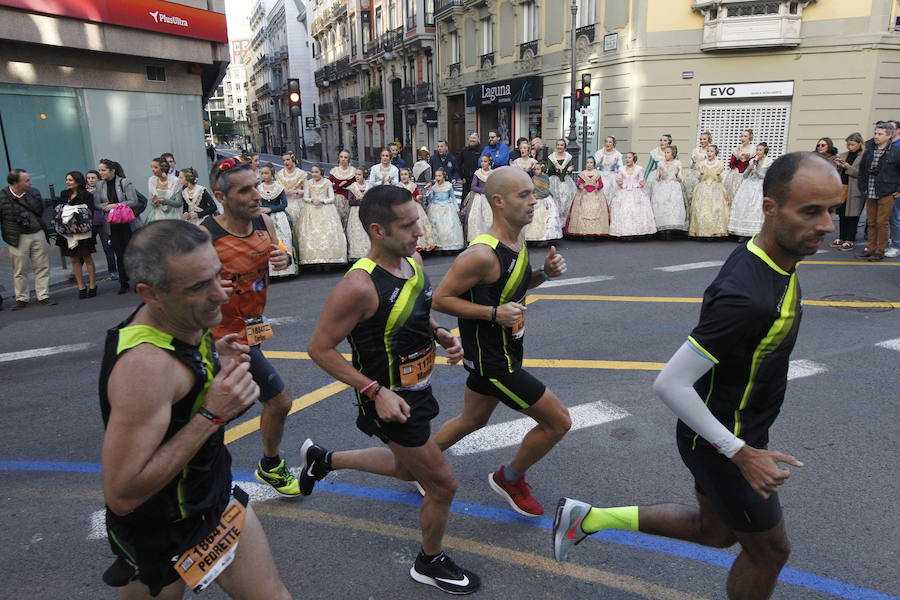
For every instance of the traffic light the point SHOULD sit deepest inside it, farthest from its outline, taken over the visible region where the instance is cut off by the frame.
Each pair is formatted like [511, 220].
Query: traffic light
[584, 93]
[293, 97]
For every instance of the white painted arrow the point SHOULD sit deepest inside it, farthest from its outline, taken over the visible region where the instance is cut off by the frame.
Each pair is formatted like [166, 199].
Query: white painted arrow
[504, 435]
[804, 368]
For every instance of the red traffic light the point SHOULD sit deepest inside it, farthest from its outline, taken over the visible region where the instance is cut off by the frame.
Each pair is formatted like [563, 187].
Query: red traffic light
[294, 97]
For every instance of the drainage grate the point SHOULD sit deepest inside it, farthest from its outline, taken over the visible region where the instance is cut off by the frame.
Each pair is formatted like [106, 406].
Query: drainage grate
[855, 298]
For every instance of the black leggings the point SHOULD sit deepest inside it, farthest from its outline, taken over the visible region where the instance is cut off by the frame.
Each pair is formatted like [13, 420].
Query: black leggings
[848, 225]
[119, 236]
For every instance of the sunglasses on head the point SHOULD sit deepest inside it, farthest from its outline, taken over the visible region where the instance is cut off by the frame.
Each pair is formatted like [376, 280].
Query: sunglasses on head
[231, 164]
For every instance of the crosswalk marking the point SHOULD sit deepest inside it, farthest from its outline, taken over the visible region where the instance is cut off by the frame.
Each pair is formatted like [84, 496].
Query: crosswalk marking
[890, 344]
[504, 435]
[38, 352]
[576, 281]
[804, 368]
[689, 266]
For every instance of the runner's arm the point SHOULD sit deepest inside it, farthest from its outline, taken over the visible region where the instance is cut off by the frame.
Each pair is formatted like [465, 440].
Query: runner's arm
[142, 389]
[675, 387]
[473, 267]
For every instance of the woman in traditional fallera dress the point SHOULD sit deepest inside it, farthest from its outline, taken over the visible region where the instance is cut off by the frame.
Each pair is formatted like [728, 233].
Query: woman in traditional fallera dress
[746, 209]
[657, 155]
[293, 179]
[477, 211]
[608, 161]
[384, 173]
[321, 235]
[426, 240]
[630, 210]
[589, 215]
[524, 161]
[691, 175]
[358, 244]
[667, 195]
[709, 206]
[562, 187]
[197, 203]
[164, 193]
[341, 177]
[444, 215]
[545, 223]
[421, 171]
[740, 158]
[274, 203]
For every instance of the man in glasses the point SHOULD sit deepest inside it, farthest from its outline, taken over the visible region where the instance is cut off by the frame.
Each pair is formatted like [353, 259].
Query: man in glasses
[246, 243]
[879, 180]
[496, 149]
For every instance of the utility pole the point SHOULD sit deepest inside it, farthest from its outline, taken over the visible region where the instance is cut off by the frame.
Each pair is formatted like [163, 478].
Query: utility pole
[572, 146]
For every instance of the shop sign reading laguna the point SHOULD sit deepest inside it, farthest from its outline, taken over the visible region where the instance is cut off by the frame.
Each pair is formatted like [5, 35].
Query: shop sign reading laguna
[523, 89]
[151, 15]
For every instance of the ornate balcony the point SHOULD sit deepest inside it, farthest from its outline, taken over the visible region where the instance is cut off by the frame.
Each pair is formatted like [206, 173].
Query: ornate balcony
[454, 70]
[486, 61]
[350, 105]
[444, 8]
[528, 48]
[407, 96]
[588, 31]
[730, 24]
[424, 92]
[263, 90]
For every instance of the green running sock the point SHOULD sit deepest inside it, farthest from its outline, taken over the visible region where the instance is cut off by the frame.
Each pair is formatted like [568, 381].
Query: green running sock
[617, 517]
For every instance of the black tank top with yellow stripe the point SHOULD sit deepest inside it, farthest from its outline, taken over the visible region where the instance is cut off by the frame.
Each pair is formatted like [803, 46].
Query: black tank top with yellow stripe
[395, 346]
[205, 482]
[491, 349]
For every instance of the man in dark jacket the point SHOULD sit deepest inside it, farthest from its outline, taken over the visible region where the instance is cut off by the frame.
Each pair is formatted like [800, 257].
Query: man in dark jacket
[396, 159]
[23, 229]
[514, 153]
[879, 181]
[442, 159]
[469, 162]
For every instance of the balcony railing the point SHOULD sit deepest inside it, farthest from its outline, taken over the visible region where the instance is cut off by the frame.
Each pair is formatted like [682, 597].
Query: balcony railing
[373, 100]
[444, 7]
[531, 46]
[373, 47]
[424, 92]
[454, 70]
[262, 90]
[350, 105]
[263, 58]
[486, 61]
[391, 39]
[588, 31]
[407, 96]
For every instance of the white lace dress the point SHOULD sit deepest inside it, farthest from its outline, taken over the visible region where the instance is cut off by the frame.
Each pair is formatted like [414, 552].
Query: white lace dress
[321, 235]
[293, 184]
[562, 186]
[746, 209]
[609, 166]
[630, 211]
[479, 217]
[272, 199]
[358, 244]
[691, 175]
[667, 197]
[444, 217]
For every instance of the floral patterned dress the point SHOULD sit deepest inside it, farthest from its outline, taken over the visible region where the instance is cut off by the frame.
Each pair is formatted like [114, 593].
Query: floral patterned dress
[321, 235]
[630, 210]
[444, 217]
[293, 184]
[589, 215]
[609, 166]
[709, 206]
[667, 197]
[341, 179]
[478, 214]
[426, 240]
[274, 198]
[562, 187]
[746, 210]
[545, 224]
[736, 167]
[171, 205]
[358, 243]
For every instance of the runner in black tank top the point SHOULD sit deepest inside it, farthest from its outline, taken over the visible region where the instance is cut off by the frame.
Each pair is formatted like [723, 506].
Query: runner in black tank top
[165, 399]
[485, 289]
[383, 308]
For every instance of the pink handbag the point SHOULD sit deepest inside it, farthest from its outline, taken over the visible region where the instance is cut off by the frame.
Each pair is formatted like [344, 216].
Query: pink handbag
[121, 213]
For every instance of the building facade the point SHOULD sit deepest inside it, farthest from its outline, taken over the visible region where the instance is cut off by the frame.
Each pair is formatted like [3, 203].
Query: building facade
[280, 49]
[376, 74]
[80, 81]
[235, 90]
[793, 71]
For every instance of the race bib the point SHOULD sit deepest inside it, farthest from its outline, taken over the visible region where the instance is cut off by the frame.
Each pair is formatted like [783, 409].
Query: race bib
[200, 565]
[416, 368]
[518, 328]
[258, 330]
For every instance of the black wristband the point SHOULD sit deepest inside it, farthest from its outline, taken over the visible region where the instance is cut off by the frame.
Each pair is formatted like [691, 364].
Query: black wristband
[208, 415]
[374, 391]
[435, 330]
[493, 314]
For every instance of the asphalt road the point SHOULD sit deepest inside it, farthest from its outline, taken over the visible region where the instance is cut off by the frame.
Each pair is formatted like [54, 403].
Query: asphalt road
[355, 537]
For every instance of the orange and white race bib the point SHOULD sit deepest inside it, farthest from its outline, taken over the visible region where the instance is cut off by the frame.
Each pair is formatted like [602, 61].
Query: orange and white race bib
[258, 330]
[199, 566]
[415, 369]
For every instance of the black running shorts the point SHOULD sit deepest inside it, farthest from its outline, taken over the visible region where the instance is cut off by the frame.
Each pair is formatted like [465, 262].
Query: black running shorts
[720, 480]
[264, 374]
[518, 390]
[414, 432]
[147, 553]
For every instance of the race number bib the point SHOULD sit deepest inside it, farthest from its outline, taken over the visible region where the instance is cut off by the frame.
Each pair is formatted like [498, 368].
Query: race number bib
[200, 565]
[518, 328]
[415, 369]
[258, 330]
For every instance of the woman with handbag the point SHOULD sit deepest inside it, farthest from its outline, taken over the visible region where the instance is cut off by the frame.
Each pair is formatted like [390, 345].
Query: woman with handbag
[122, 204]
[101, 227]
[77, 246]
[848, 213]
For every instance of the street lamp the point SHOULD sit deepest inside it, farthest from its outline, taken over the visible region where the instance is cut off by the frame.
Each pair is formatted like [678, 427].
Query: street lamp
[572, 146]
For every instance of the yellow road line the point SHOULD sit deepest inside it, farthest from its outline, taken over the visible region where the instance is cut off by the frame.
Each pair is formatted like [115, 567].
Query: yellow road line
[516, 558]
[852, 304]
[247, 427]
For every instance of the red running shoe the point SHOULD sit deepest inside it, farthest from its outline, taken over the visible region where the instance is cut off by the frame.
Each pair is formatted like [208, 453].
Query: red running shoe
[518, 494]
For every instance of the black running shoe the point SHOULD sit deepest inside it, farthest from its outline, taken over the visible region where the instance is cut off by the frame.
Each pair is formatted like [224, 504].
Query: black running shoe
[445, 575]
[312, 467]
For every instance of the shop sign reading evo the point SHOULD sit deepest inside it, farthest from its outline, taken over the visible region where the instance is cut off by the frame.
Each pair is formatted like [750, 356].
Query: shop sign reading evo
[151, 15]
[744, 91]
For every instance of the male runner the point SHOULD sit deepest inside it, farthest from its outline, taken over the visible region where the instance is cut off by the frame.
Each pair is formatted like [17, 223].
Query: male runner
[246, 242]
[486, 288]
[383, 308]
[726, 384]
[172, 510]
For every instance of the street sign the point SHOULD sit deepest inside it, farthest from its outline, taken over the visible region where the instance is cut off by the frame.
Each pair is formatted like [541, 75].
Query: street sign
[586, 111]
[311, 123]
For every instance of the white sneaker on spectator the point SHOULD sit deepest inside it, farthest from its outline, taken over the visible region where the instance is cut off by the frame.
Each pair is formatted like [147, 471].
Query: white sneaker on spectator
[892, 253]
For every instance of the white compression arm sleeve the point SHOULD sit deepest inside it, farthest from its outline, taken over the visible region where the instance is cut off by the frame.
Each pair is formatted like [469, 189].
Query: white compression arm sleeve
[675, 387]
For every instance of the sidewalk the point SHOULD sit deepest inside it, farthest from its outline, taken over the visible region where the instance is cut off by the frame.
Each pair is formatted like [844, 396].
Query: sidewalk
[59, 277]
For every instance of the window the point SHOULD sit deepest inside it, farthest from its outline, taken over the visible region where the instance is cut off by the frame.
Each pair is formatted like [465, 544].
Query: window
[454, 47]
[392, 14]
[753, 9]
[156, 73]
[378, 28]
[411, 14]
[529, 22]
[587, 13]
[487, 35]
[429, 12]
[429, 67]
